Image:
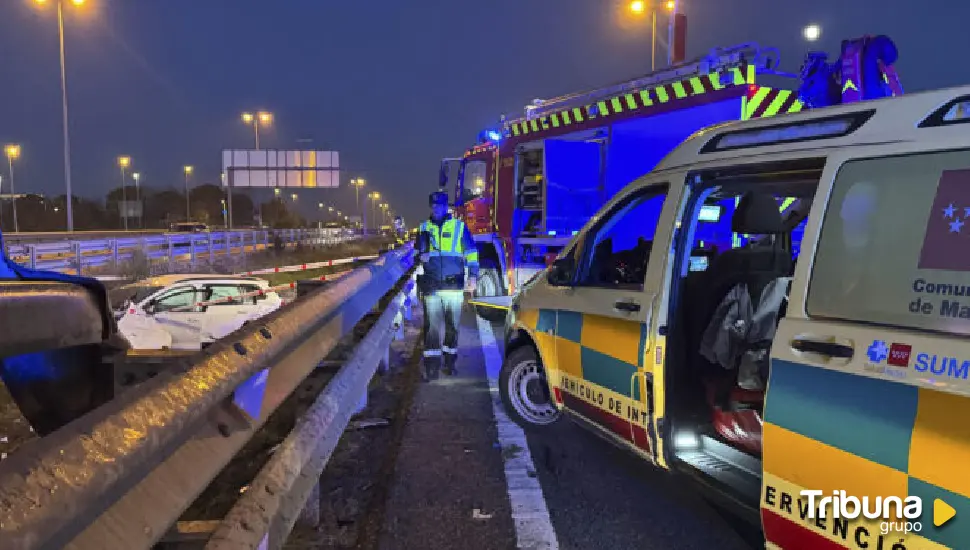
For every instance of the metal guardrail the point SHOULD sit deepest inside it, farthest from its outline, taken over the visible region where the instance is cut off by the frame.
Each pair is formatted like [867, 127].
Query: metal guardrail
[194, 248]
[120, 476]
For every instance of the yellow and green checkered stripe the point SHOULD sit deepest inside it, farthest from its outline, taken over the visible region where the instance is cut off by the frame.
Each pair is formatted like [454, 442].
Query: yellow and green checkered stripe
[602, 350]
[635, 101]
[828, 430]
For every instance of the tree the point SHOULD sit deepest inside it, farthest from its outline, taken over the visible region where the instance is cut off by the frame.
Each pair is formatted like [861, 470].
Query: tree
[243, 210]
[278, 216]
[163, 207]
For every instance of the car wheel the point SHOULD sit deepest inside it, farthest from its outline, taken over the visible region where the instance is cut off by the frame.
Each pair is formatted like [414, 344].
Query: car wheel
[490, 284]
[524, 390]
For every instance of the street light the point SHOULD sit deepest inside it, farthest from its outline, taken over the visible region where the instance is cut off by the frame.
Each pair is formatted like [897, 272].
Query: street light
[262, 117]
[13, 153]
[640, 6]
[187, 170]
[373, 196]
[358, 183]
[67, 140]
[812, 33]
[123, 162]
[136, 176]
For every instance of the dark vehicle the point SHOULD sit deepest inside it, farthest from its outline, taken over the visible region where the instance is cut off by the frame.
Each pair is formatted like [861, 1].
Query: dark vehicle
[188, 227]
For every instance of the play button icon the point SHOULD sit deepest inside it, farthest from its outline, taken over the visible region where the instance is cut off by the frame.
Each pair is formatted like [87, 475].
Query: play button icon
[942, 512]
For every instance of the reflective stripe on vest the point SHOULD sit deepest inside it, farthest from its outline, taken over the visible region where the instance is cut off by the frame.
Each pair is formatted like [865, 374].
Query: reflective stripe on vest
[446, 239]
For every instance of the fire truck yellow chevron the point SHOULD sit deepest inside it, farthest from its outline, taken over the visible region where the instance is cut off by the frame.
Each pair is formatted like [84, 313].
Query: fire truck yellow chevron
[635, 101]
[768, 102]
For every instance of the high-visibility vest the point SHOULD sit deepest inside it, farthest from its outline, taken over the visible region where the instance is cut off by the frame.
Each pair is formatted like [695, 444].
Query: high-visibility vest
[446, 239]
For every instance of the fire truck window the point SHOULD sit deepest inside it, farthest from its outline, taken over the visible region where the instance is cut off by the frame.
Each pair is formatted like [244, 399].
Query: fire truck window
[473, 182]
[617, 252]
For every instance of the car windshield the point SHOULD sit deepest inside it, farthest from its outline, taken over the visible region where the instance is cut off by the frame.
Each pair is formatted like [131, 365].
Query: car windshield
[134, 293]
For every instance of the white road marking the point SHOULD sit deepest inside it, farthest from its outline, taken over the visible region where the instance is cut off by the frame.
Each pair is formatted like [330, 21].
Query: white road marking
[533, 528]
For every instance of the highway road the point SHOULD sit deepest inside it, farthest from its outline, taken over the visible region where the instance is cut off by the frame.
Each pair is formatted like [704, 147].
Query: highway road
[463, 481]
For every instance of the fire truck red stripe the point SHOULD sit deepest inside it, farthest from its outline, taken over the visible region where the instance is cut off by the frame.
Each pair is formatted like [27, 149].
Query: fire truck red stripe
[789, 101]
[763, 106]
[792, 536]
[707, 84]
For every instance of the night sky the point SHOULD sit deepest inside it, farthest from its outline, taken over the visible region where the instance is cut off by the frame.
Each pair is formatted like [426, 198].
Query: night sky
[393, 85]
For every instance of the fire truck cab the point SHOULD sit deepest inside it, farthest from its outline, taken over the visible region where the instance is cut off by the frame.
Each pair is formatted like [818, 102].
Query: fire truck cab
[527, 187]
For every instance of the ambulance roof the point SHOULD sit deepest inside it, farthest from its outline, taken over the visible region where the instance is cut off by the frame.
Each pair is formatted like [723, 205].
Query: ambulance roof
[907, 118]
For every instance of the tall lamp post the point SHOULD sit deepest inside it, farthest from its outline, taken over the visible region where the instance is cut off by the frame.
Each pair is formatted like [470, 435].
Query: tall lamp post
[374, 197]
[187, 170]
[13, 153]
[670, 6]
[123, 163]
[358, 183]
[141, 215]
[67, 140]
[262, 117]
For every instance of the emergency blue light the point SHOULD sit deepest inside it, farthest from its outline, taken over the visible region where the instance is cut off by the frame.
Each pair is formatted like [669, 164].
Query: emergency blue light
[494, 136]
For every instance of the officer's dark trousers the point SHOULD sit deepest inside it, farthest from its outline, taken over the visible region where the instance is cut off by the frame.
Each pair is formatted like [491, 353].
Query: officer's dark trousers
[442, 310]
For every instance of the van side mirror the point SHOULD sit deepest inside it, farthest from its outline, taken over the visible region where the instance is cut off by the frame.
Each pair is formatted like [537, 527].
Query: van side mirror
[561, 272]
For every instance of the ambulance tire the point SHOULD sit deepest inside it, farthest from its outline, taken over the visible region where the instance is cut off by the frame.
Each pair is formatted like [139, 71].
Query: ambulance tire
[525, 395]
[489, 281]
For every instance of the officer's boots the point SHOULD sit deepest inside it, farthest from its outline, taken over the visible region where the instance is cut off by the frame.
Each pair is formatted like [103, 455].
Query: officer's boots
[431, 366]
[450, 360]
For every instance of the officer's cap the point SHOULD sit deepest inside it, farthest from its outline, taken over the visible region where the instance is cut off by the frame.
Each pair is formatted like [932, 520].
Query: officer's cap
[438, 198]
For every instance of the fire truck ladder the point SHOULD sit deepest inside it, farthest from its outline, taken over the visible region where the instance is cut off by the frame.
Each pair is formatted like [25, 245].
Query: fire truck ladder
[719, 60]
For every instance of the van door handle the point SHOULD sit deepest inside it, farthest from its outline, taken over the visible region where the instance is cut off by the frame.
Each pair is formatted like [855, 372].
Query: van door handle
[626, 305]
[829, 349]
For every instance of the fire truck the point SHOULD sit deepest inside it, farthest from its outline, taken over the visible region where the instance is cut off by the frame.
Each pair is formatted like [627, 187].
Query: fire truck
[533, 182]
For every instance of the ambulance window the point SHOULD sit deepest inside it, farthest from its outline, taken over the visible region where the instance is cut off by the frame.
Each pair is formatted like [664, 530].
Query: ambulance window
[617, 249]
[894, 244]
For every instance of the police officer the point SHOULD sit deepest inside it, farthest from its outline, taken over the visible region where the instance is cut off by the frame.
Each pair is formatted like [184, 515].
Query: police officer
[446, 249]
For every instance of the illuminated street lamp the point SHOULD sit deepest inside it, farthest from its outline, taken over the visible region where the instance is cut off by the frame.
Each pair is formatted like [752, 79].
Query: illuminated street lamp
[13, 153]
[67, 140]
[670, 6]
[358, 183]
[812, 33]
[374, 196]
[187, 171]
[124, 162]
[260, 118]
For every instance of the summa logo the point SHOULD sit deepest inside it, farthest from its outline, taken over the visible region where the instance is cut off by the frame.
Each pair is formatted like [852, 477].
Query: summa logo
[899, 355]
[879, 355]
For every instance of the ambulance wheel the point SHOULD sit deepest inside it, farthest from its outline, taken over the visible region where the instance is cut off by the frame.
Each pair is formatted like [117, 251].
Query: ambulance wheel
[490, 284]
[524, 391]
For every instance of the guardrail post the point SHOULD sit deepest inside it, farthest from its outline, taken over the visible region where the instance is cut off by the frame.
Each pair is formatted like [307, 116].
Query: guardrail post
[192, 258]
[77, 256]
[212, 249]
[32, 252]
[171, 253]
[114, 253]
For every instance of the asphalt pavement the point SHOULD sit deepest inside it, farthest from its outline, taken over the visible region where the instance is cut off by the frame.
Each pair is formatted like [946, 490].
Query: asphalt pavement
[462, 481]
